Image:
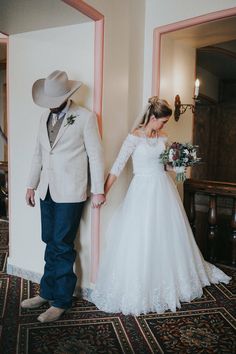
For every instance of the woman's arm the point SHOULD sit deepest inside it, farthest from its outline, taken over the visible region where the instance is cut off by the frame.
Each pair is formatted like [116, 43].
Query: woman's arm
[109, 182]
[126, 150]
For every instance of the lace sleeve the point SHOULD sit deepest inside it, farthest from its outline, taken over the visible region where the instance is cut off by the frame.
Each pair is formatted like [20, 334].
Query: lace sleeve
[126, 151]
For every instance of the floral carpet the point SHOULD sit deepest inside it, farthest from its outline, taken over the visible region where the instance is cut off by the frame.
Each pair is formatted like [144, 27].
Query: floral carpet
[207, 325]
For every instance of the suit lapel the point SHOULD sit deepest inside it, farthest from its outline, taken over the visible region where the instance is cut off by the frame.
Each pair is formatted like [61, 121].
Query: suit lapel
[45, 138]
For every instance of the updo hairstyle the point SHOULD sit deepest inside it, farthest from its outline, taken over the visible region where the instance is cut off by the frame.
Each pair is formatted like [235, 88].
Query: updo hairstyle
[158, 108]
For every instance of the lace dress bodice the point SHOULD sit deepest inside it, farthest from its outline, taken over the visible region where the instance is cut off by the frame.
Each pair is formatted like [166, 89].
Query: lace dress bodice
[145, 153]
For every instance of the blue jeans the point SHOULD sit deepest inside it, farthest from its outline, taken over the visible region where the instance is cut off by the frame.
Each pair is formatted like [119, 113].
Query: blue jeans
[60, 223]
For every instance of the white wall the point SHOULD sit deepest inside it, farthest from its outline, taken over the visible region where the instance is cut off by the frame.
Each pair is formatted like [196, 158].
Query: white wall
[35, 55]
[123, 83]
[177, 77]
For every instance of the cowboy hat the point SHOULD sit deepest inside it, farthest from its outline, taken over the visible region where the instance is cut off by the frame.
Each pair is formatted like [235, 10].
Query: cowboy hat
[54, 90]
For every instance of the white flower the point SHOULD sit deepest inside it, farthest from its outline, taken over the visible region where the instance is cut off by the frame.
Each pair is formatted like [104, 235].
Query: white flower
[186, 151]
[171, 153]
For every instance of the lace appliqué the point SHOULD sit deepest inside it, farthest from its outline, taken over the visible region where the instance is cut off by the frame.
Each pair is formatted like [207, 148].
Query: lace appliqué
[167, 295]
[126, 151]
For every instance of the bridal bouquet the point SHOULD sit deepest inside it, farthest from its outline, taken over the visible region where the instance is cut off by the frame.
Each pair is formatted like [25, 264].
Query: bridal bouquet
[179, 156]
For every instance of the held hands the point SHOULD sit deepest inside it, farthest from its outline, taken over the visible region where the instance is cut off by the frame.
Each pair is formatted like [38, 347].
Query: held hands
[98, 200]
[30, 197]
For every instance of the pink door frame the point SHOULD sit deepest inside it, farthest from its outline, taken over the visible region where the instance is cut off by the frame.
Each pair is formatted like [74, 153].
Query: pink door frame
[98, 18]
[159, 31]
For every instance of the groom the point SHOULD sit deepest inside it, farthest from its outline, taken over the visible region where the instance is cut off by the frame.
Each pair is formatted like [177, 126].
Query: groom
[68, 142]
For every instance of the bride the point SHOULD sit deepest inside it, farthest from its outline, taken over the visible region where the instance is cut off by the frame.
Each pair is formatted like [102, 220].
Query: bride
[151, 262]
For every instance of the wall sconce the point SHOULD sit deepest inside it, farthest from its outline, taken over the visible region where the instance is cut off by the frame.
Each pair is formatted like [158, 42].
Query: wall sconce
[181, 108]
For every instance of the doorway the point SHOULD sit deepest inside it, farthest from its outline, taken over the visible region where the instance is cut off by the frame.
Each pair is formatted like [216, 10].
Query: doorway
[179, 58]
[215, 116]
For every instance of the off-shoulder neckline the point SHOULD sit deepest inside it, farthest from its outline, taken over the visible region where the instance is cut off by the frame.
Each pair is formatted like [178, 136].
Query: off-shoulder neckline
[144, 137]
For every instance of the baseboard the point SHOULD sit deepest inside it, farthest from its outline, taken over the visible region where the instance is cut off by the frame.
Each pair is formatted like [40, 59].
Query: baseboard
[23, 273]
[85, 293]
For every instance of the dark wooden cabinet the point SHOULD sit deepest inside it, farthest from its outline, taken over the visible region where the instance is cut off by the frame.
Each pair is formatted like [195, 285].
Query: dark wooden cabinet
[211, 210]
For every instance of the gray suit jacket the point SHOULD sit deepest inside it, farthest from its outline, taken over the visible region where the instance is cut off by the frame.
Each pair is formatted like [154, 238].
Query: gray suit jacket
[64, 166]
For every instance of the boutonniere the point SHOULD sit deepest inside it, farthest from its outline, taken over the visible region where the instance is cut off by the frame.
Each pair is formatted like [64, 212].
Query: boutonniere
[70, 119]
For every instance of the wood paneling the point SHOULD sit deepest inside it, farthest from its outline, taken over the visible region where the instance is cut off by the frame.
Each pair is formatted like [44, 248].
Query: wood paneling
[215, 133]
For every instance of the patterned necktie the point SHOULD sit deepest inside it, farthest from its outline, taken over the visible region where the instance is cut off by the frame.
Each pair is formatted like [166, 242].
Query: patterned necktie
[54, 118]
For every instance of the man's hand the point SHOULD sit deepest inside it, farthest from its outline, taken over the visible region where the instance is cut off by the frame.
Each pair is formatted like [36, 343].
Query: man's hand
[98, 200]
[30, 197]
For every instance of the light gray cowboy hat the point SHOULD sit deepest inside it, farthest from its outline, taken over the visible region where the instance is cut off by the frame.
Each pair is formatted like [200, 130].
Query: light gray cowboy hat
[54, 90]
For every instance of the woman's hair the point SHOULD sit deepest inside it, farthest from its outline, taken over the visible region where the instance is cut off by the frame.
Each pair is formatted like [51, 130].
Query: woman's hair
[158, 108]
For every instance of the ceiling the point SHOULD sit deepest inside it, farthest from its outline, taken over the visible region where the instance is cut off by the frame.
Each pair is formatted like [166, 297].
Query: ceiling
[18, 16]
[207, 33]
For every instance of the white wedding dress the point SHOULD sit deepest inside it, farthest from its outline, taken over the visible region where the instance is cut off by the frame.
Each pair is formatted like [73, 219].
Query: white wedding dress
[151, 262]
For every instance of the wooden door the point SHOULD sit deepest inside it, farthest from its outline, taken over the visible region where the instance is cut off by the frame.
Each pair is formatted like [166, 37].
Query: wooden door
[215, 133]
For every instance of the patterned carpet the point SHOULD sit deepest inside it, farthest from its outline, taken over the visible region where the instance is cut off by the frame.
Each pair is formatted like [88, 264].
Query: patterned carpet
[207, 325]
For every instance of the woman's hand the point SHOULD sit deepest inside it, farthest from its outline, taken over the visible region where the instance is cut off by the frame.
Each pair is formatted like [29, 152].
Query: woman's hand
[168, 168]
